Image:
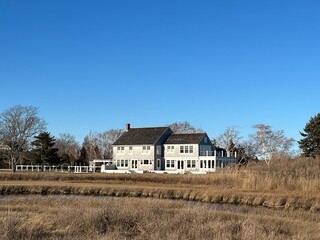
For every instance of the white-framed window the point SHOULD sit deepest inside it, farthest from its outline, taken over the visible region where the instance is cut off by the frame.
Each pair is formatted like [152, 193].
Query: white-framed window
[170, 149]
[120, 150]
[193, 164]
[188, 163]
[186, 149]
[190, 149]
[122, 163]
[145, 149]
[130, 150]
[146, 162]
[126, 163]
[169, 163]
[181, 149]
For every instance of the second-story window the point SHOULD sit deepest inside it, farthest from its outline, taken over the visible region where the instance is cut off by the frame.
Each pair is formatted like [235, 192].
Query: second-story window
[181, 149]
[130, 150]
[170, 149]
[145, 149]
[186, 149]
[190, 149]
[120, 150]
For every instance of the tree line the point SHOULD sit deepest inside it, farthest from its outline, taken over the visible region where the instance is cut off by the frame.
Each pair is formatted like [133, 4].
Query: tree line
[24, 139]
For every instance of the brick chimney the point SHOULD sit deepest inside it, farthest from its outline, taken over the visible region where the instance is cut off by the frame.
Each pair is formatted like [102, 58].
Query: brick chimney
[127, 127]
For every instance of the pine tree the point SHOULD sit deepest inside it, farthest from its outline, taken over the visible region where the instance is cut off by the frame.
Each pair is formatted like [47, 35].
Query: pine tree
[310, 143]
[43, 148]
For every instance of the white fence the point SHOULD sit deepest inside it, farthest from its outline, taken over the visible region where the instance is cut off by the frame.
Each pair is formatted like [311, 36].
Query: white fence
[47, 168]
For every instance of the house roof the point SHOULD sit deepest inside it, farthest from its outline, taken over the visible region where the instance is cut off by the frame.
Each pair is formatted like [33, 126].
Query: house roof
[141, 136]
[185, 138]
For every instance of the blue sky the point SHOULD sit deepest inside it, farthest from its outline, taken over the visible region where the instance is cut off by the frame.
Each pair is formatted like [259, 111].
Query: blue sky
[95, 65]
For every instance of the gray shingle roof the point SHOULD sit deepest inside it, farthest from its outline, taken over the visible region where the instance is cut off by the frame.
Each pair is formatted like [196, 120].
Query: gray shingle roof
[141, 136]
[185, 138]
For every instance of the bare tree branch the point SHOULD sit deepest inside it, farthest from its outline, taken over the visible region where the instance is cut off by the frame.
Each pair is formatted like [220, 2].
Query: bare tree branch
[18, 125]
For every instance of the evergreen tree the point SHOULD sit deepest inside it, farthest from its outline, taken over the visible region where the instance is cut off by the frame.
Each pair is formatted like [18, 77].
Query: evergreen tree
[43, 148]
[83, 159]
[310, 143]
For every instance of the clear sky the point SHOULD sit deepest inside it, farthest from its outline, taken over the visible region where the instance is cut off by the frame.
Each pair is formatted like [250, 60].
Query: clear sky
[96, 65]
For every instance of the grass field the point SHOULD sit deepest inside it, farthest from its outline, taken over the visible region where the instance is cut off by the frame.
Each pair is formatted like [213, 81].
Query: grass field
[285, 197]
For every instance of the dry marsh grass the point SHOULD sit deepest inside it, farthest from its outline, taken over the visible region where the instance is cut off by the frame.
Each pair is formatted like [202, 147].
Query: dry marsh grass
[286, 184]
[302, 174]
[55, 217]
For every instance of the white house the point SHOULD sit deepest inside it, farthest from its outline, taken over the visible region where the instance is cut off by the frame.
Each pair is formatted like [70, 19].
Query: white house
[158, 149]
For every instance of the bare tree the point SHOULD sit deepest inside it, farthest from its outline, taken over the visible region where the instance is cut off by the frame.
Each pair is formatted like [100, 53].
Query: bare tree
[105, 140]
[229, 140]
[184, 127]
[18, 126]
[69, 148]
[246, 151]
[91, 147]
[268, 142]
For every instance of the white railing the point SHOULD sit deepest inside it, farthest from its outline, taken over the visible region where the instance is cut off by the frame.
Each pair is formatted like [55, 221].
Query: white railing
[51, 168]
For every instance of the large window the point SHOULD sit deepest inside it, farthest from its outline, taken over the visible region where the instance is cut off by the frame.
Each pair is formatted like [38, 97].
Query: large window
[186, 149]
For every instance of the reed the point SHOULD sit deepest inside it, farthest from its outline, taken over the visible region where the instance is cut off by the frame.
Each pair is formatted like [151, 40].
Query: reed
[286, 184]
[55, 217]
